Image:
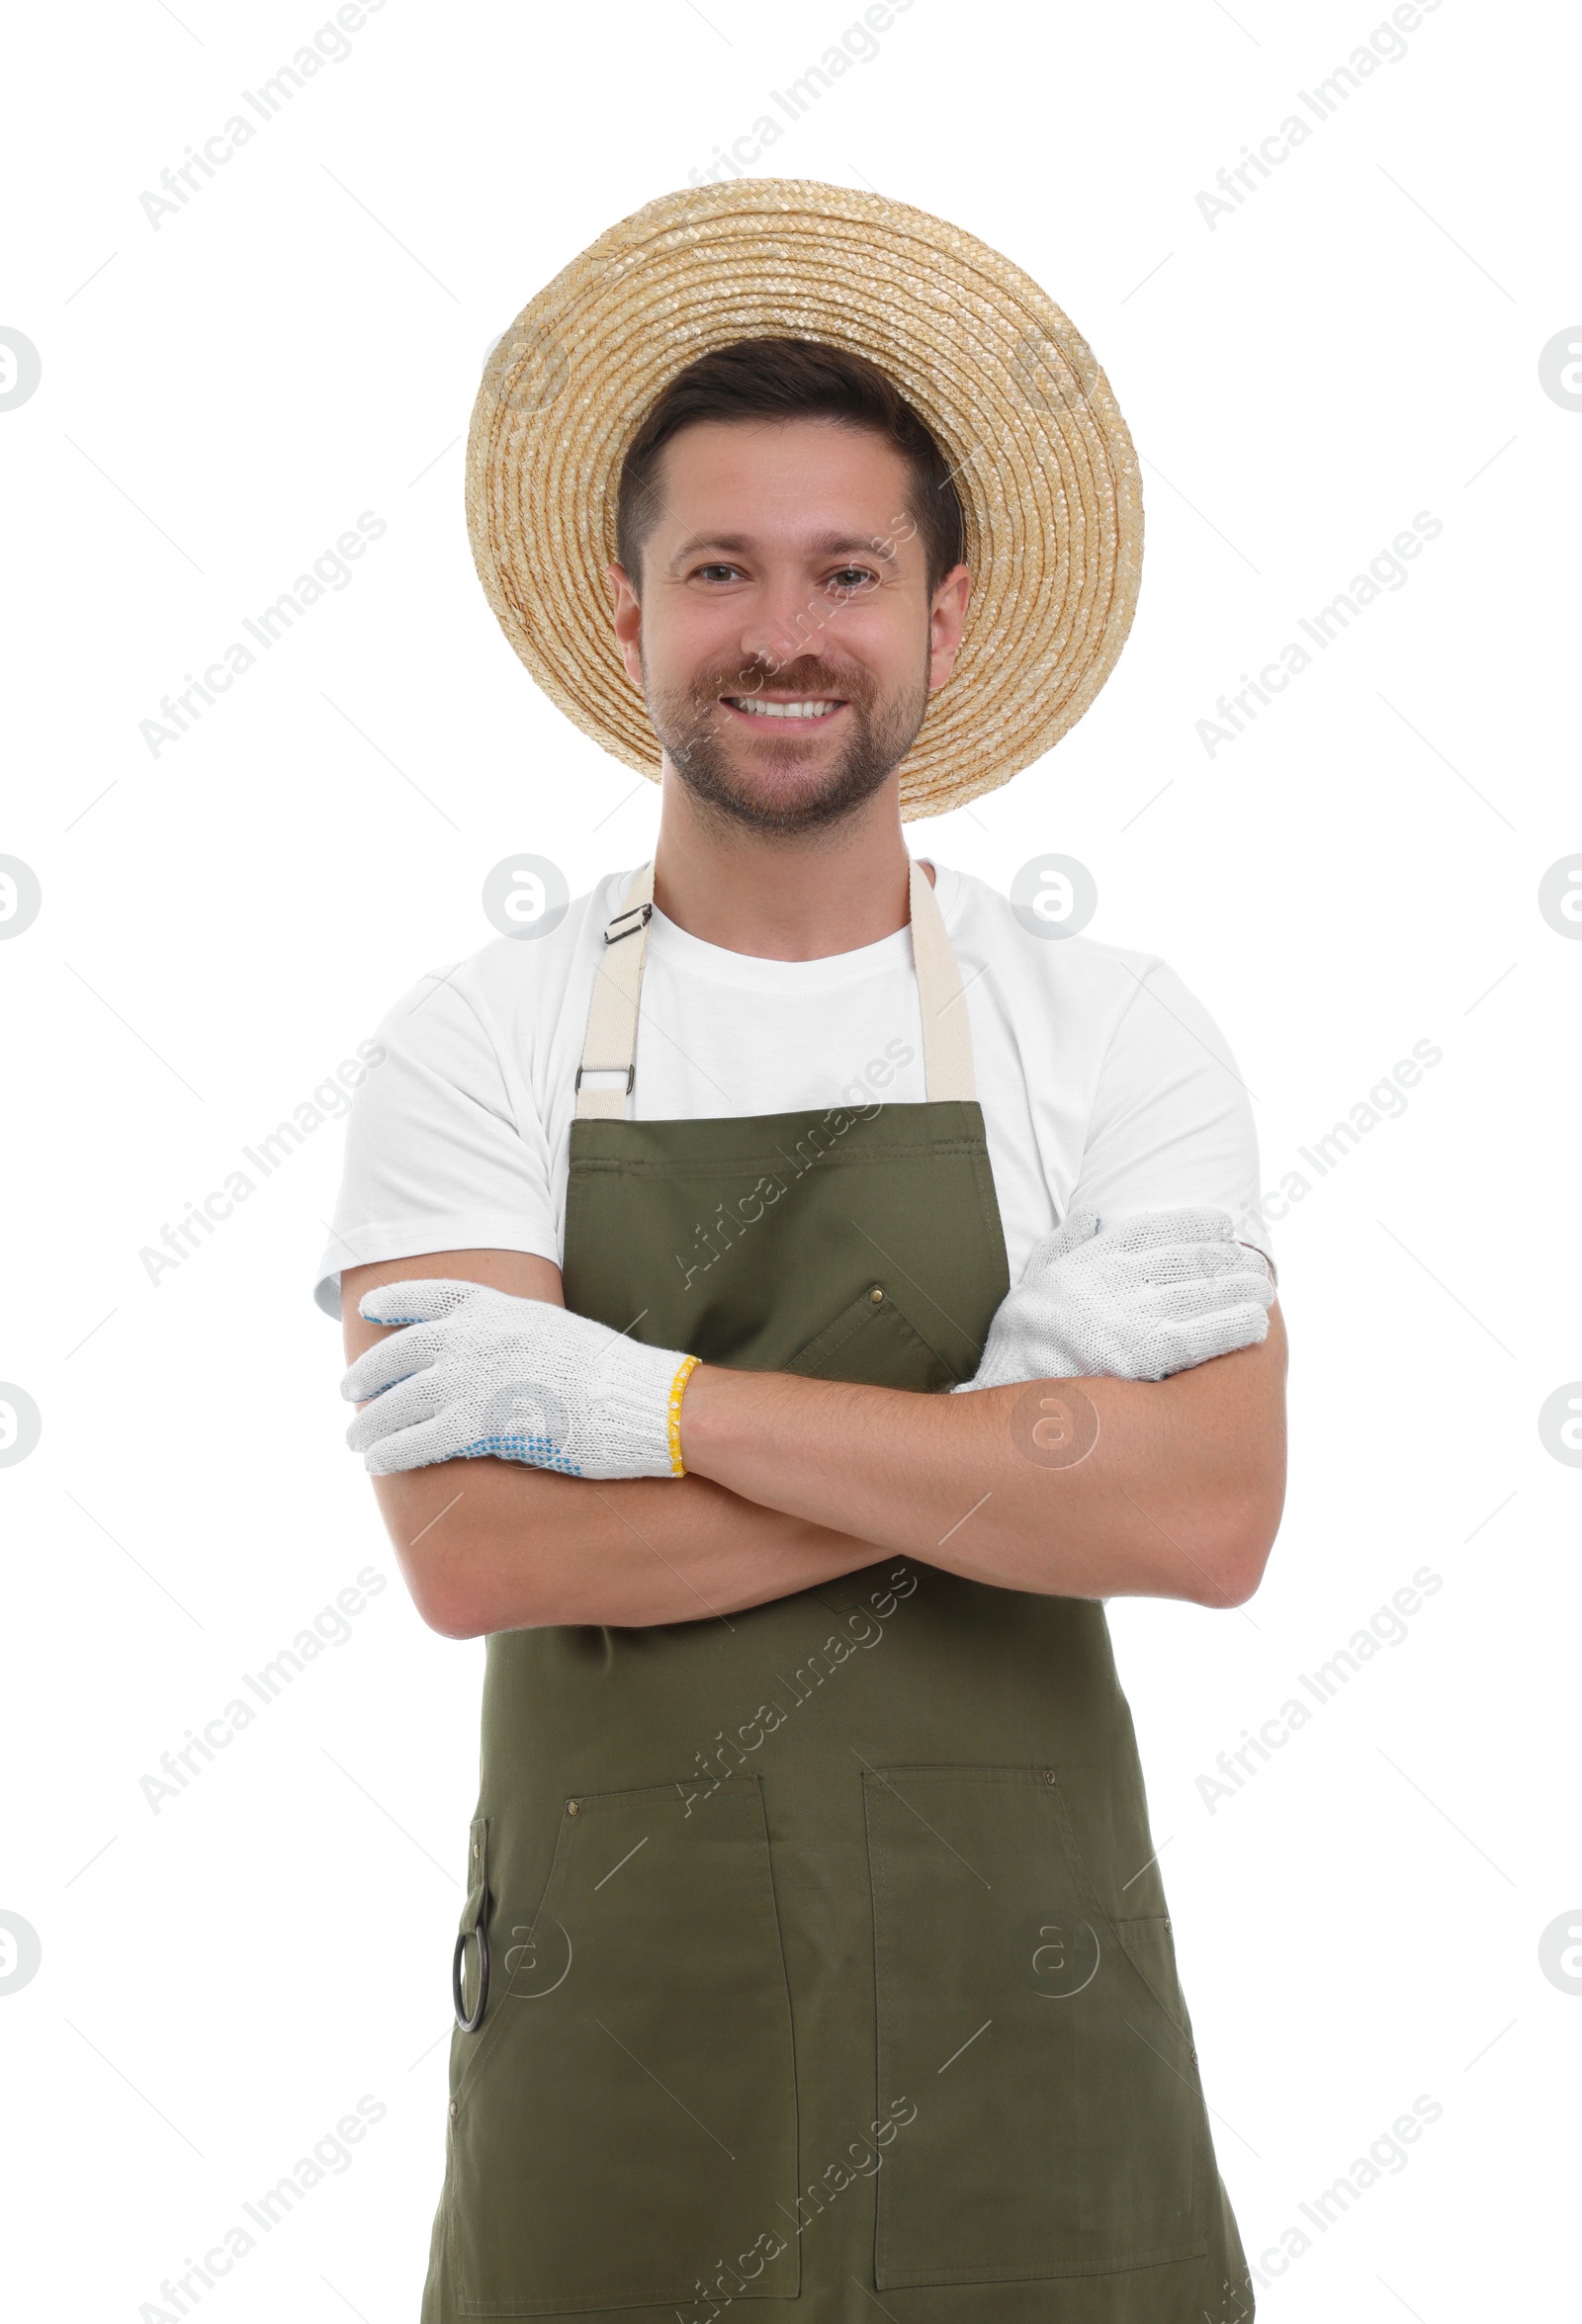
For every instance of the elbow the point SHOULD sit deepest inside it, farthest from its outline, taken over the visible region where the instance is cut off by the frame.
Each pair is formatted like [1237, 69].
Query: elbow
[438, 1554]
[479, 1554]
[1235, 1581]
[439, 1590]
[447, 1610]
[453, 1598]
[1231, 1555]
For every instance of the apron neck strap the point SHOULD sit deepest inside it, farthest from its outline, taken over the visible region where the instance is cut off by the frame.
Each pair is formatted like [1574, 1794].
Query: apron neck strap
[946, 1035]
[610, 1046]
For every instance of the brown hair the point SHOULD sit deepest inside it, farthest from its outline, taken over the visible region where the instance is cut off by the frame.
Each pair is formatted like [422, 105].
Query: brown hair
[791, 378]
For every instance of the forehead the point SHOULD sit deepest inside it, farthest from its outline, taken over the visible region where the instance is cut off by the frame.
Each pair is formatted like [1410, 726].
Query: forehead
[768, 475]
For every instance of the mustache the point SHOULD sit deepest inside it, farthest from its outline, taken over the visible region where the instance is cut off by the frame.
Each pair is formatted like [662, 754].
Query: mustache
[809, 674]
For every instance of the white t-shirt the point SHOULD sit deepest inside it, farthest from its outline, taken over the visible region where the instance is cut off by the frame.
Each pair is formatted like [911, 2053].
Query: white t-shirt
[1103, 1084]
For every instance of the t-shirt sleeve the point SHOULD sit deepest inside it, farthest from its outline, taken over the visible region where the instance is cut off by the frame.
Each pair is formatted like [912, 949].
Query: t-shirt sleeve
[440, 1156]
[1171, 1124]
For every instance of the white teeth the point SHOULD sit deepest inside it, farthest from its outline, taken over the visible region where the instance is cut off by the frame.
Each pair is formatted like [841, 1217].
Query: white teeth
[783, 710]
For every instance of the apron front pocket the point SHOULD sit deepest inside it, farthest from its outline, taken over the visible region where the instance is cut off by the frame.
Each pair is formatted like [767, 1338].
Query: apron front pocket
[874, 1342]
[1058, 2126]
[627, 2123]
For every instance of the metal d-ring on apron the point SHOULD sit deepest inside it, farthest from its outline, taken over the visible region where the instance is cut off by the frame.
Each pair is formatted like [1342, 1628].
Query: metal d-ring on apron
[473, 1924]
[830, 1954]
[470, 2023]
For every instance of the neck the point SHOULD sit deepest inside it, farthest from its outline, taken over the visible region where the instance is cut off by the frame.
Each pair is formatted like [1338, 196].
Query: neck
[780, 896]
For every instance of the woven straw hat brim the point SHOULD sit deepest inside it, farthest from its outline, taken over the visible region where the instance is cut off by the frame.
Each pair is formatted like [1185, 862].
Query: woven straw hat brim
[1043, 462]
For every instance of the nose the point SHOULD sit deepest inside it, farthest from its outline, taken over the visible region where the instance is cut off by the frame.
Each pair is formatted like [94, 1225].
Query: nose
[787, 622]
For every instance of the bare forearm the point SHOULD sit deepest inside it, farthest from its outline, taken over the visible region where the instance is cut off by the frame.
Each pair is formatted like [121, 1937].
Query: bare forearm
[490, 1545]
[795, 1481]
[1178, 1496]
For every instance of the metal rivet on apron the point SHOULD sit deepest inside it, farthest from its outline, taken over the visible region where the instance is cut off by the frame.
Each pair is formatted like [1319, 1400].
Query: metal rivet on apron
[573, 1807]
[455, 2109]
[1167, 1924]
[1049, 1774]
[475, 1852]
[877, 1294]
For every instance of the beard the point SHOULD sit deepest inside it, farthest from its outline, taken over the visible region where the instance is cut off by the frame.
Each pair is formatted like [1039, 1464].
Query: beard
[777, 784]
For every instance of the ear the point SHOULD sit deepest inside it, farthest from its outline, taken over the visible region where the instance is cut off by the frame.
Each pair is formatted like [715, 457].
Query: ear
[947, 617]
[627, 620]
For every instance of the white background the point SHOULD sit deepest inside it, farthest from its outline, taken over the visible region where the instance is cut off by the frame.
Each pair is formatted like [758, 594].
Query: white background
[1359, 341]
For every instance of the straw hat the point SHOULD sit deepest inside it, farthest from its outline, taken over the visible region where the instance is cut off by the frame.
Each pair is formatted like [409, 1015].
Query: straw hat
[1042, 458]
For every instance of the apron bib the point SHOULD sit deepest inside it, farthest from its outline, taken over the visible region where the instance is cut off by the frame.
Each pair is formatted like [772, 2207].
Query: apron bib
[828, 1958]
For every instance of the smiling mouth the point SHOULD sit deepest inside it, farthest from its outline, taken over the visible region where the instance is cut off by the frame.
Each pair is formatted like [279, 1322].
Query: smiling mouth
[814, 708]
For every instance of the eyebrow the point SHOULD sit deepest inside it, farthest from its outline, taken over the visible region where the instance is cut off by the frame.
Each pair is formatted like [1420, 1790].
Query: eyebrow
[823, 545]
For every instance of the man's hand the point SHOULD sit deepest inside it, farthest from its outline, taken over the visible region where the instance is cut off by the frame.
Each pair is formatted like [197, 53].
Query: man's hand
[476, 1371]
[1147, 1296]
[492, 1545]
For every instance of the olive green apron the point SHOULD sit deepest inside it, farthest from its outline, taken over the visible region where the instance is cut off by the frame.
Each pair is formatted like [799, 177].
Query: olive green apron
[828, 1958]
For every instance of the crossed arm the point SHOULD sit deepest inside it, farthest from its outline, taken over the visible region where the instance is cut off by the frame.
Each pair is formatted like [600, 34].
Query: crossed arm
[793, 1481]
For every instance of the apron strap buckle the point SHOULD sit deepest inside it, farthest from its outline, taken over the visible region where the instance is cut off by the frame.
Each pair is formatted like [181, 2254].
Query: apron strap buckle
[627, 923]
[631, 1073]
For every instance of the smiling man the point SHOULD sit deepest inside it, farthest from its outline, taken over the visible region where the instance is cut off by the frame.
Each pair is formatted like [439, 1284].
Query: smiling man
[815, 1950]
[787, 668]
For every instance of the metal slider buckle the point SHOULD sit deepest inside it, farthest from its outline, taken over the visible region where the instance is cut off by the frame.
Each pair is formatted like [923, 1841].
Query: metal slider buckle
[631, 1073]
[627, 923]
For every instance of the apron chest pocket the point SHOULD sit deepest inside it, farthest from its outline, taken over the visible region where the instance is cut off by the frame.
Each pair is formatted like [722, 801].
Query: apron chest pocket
[874, 1342]
[1059, 2126]
[628, 2116]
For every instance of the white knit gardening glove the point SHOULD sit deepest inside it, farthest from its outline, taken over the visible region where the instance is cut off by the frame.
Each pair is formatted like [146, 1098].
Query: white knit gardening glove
[1150, 1295]
[480, 1371]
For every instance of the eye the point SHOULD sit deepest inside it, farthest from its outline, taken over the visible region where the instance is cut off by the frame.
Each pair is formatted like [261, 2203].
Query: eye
[713, 572]
[849, 578]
